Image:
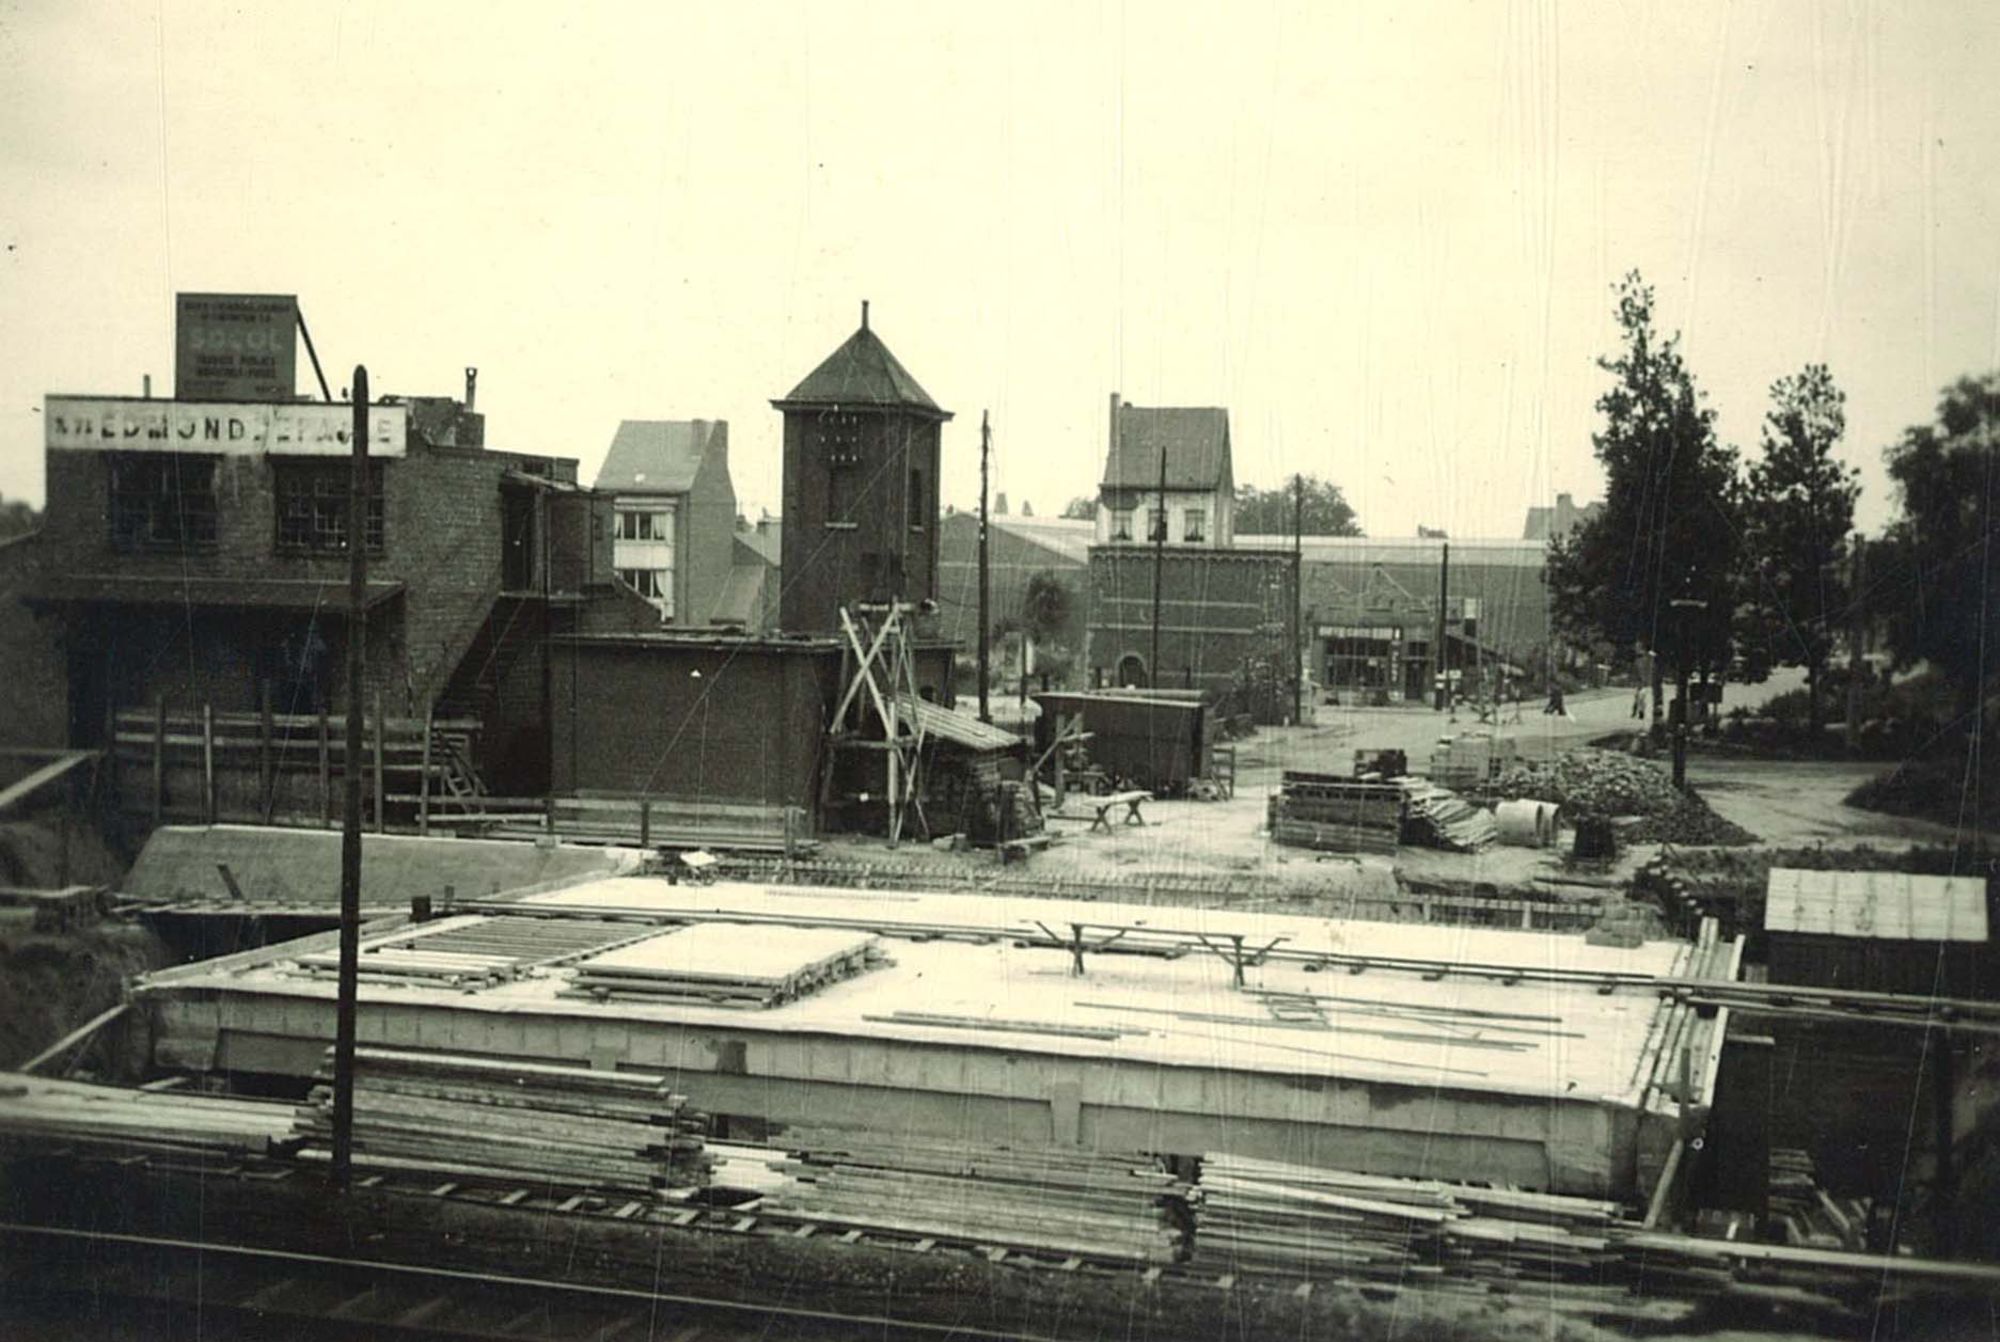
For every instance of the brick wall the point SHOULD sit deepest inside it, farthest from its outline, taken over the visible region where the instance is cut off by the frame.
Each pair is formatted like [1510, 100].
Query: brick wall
[442, 540]
[1216, 609]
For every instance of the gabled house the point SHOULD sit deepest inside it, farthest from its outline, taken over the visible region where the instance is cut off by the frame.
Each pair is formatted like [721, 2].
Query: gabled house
[1191, 446]
[673, 537]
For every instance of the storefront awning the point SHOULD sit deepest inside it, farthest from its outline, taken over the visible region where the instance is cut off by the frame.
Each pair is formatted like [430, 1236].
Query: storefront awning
[119, 589]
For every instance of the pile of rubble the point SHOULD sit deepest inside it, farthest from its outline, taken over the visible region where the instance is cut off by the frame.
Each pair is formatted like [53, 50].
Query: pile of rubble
[1591, 782]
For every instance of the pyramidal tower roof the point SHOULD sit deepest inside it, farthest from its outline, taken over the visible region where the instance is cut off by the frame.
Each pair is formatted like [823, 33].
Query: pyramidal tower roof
[862, 372]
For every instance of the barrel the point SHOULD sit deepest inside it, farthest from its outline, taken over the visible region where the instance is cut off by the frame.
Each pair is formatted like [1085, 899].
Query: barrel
[1528, 823]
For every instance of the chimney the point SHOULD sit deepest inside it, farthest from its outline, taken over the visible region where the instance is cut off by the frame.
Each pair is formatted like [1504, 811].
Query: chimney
[471, 386]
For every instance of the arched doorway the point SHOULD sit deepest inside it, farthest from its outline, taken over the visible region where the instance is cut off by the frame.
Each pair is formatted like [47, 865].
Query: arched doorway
[1131, 671]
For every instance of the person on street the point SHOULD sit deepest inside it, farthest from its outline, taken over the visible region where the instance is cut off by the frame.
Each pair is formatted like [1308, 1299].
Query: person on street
[1555, 703]
[1639, 702]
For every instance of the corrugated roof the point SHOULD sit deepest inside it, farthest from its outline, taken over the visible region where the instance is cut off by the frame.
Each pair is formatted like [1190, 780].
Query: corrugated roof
[862, 372]
[958, 728]
[1876, 905]
[1196, 440]
[656, 456]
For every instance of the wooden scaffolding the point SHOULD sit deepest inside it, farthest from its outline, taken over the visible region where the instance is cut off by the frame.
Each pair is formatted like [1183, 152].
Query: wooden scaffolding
[878, 668]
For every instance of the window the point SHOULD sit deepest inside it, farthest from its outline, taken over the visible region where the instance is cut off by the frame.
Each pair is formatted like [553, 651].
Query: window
[162, 501]
[1193, 523]
[312, 505]
[915, 501]
[1156, 524]
[1121, 524]
[647, 582]
[642, 548]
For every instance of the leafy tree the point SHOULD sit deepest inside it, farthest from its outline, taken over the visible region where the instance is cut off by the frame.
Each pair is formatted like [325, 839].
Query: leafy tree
[1047, 606]
[17, 516]
[1798, 506]
[1668, 528]
[1942, 555]
[1269, 512]
[1082, 508]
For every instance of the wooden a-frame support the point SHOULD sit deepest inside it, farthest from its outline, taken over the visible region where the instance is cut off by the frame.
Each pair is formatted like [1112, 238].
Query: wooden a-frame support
[884, 668]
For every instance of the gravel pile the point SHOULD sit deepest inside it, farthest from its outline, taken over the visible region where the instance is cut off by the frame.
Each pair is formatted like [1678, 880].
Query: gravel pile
[1610, 783]
[1593, 782]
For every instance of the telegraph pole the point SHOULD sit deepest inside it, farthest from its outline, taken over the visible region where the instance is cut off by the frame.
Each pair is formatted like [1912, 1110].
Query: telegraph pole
[1159, 565]
[350, 835]
[1857, 634]
[985, 572]
[1441, 678]
[1298, 599]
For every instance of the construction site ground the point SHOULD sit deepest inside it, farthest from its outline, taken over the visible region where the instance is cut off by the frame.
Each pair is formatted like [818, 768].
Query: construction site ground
[1782, 802]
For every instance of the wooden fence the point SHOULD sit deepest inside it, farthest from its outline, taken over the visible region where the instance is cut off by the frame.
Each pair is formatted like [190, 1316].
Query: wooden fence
[206, 766]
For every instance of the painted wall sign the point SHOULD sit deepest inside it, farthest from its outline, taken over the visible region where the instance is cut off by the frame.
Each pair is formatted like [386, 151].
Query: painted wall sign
[298, 428]
[235, 347]
[1379, 632]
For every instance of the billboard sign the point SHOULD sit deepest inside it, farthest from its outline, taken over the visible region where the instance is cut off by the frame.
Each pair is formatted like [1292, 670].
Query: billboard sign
[235, 347]
[296, 428]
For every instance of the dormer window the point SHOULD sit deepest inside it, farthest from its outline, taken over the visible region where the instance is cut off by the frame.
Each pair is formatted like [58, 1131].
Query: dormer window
[1121, 524]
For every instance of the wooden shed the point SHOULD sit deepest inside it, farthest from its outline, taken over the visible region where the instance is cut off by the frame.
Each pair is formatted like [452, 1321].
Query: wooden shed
[1880, 931]
[1149, 740]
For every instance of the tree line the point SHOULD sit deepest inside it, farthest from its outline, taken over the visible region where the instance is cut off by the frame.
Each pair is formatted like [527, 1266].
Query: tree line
[1722, 569]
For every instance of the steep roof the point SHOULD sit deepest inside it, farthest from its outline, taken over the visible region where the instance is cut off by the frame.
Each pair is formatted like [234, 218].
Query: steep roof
[862, 372]
[1196, 440]
[658, 456]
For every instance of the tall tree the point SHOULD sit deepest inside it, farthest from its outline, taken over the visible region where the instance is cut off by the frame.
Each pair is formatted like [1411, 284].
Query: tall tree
[1047, 605]
[1668, 528]
[1942, 573]
[1268, 512]
[1082, 508]
[1798, 507]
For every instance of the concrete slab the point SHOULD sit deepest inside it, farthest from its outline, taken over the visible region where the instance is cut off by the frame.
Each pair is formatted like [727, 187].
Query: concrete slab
[302, 866]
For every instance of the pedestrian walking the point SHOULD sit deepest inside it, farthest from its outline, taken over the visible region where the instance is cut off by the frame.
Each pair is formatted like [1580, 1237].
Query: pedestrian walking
[1555, 704]
[1639, 702]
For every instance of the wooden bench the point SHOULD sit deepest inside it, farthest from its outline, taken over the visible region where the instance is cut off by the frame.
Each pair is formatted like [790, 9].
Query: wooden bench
[1131, 801]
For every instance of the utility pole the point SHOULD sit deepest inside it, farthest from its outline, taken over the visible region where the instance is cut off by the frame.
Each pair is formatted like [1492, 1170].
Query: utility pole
[985, 573]
[350, 834]
[1683, 608]
[1298, 599]
[1857, 634]
[1159, 566]
[1440, 678]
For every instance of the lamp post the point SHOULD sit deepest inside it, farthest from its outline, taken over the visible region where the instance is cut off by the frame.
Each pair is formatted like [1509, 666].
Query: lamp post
[1683, 608]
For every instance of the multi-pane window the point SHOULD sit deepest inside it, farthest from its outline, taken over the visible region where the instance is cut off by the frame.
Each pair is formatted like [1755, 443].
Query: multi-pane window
[1121, 524]
[313, 499]
[1193, 524]
[646, 581]
[1156, 524]
[642, 548]
[162, 501]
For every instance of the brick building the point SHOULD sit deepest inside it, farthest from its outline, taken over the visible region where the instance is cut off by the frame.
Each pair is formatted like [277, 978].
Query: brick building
[196, 552]
[674, 523]
[862, 443]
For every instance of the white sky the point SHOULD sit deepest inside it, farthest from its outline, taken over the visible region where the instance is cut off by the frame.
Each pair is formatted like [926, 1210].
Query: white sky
[1383, 235]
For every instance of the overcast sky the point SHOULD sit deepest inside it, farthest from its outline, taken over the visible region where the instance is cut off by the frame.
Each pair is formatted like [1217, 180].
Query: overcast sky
[1382, 235]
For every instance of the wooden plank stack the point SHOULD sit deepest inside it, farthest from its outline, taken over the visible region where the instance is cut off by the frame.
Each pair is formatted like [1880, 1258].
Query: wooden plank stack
[1470, 759]
[38, 1110]
[481, 1118]
[1806, 1213]
[476, 949]
[1335, 814]
[1266, 1216]
[724, 964]
[1437, 817]
[1105, 1207]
